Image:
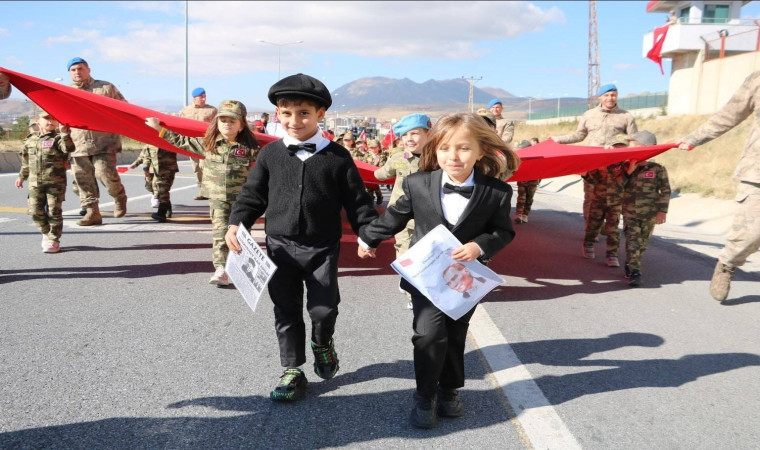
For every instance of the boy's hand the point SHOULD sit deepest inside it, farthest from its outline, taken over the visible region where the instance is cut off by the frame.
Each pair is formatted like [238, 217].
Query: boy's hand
[19, 183]
[231, 239]
[659, 219]
[468, 252]
[154, 123]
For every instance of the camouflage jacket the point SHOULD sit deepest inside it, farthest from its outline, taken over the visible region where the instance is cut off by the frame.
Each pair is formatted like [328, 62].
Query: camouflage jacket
[224, 172]
[95, 142]
[157, 161]
[608, 182]
[505, 128]
[399, 165]
[599, 125]
[744, 102]
[205, 113]
[376, 160]
[647, 191]
[43, 159]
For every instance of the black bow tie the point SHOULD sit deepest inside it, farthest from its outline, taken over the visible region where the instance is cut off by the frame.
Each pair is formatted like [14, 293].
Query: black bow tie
[464, 191]
[311, 148]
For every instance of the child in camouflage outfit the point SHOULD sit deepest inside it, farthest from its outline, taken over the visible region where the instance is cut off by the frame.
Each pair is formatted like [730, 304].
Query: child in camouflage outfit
[229, 148]
[645, 204]
[43, 163]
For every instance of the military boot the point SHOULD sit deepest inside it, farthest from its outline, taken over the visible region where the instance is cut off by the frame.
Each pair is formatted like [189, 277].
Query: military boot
[91, 217]
[721, 281]
[169, 211]
[160, 215]
[120, 206]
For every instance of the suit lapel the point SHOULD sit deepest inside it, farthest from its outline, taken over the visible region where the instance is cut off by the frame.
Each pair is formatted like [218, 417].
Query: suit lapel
[435, 192]
[478, 193]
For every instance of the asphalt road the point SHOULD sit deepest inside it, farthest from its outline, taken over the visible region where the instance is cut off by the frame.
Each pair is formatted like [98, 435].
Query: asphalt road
[119, 342]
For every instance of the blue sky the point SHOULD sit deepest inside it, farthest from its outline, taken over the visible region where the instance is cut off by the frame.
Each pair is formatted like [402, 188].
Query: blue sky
[537, 49]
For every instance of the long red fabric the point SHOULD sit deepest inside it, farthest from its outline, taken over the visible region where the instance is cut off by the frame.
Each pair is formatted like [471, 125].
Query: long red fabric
[82, 109]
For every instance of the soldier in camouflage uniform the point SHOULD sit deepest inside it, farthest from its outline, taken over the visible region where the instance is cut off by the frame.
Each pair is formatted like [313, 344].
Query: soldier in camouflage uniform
[95, 155]
[606, 204]
[199, 110]
[160, 167]
[645, 204]
[229, 148]
[505, 128]
[526, 190]
[744, 237]
[43, 163]
[376, 157]
[597, 126]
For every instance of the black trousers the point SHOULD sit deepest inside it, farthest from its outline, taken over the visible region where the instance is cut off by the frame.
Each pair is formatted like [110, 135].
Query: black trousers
[438, 343]
[316, 267]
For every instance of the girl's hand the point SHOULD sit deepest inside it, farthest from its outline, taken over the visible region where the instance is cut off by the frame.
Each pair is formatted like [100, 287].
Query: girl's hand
[468, 252]
[363, 254]
[19, 183]
[659, 219]
[231, 239]
[154, 123]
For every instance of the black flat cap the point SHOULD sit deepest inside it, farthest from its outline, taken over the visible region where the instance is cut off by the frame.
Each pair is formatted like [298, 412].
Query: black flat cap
[303, 86]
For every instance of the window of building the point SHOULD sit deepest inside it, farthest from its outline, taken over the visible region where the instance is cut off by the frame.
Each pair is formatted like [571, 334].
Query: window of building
[715, 14]
[683, 15]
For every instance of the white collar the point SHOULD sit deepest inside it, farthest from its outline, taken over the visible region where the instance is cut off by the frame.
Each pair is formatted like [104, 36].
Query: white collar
[318, 139]
[470, 181]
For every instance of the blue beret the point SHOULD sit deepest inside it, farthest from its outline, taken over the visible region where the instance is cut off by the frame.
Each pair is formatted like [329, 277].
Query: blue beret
[606, 88]
[197, 92]
[494, 102]
[410, 122]
[76, 60]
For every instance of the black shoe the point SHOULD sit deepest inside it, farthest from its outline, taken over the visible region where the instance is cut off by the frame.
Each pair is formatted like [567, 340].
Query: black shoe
[325, 360]
[379, 201]
[83, 211]
[291, 386]
[160, 215]
[449, 404]
[627, 269]
[169, 211]
[635, 278]
[423, 415]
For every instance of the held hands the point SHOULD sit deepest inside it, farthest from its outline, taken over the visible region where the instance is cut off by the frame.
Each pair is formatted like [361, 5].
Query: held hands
[63, 128]
[231, 239]
[659, 219]
[468, 252]
[154, 123]
[365, 253]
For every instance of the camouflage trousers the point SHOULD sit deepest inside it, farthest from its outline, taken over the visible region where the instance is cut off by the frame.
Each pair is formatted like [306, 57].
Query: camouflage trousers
[376, 192]
[588, 194]
[525, 192]
[51, 194]
[744, 237]
[637, 234]
[198, 170]
[403, 238]
[88, 170]
[160, 185]
[603, 219]
[220, 216]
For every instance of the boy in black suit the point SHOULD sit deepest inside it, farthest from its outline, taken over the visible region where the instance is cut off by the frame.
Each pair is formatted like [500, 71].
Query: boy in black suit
[310, 180]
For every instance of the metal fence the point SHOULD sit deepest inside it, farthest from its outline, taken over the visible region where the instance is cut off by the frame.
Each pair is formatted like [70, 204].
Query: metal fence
[628, 103]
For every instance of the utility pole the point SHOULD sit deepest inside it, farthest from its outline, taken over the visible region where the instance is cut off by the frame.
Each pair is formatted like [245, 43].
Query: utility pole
[187, 102]
[472, 81]
[593, 56]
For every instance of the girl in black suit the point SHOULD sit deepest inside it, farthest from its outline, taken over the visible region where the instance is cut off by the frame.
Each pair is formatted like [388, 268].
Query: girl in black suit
[456, 186]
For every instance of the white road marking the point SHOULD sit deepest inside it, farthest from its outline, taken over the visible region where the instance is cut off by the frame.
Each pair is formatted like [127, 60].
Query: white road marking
[540, 423]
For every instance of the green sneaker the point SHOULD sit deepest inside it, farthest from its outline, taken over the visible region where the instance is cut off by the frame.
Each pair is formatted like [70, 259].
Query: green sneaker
[325, 360]
[291, 386]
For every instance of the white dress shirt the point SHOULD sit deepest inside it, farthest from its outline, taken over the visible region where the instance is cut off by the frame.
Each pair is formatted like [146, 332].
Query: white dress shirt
[318, 139]
[454, 204]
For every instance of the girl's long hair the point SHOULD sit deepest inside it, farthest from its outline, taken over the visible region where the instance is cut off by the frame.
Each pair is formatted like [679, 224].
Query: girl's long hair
[498, 158]
[245, 137]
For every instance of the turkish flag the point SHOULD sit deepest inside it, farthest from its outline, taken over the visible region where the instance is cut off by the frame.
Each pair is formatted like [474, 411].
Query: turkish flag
[389, 139]
[659, 38]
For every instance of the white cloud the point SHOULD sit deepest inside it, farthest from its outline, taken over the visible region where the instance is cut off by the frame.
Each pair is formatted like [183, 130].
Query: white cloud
[76, 35]
[224, 35]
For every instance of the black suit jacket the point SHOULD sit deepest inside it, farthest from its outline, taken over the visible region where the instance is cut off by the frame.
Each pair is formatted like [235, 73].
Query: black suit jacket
[484, 221]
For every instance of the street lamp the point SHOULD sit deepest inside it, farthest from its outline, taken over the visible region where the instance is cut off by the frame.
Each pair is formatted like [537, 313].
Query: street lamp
[279, 51]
